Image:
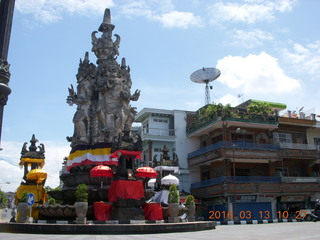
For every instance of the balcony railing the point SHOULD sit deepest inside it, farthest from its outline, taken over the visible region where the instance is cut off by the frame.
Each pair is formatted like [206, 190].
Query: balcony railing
[238, 179]
[300, 179]
[254, 179]
[299, 146]
[157, 131]
[251, 118]
[235, 145]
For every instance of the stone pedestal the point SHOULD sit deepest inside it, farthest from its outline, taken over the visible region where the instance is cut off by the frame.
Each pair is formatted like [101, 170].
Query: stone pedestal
[81, 220]
[125, 214]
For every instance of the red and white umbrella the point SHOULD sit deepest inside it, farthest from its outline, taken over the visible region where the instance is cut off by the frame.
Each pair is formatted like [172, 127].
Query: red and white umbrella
[146, 172]
[101, 171]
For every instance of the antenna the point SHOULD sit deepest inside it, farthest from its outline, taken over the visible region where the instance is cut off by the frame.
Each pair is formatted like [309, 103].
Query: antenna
[205, 75]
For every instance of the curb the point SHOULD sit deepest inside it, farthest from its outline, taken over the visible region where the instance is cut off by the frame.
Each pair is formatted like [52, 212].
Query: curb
[41, 228]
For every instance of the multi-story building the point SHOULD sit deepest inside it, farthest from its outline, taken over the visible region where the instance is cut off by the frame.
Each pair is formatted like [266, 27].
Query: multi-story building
[161, 128]
[254, 166]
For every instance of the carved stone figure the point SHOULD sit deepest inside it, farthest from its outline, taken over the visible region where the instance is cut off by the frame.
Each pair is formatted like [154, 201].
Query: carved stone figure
[103, 92]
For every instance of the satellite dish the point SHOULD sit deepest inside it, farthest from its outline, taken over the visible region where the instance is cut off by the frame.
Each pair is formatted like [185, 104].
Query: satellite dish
[205, 75]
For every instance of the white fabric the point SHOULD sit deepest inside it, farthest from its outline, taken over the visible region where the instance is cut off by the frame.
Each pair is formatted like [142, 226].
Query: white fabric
[170, 179]
[161, 196]
[167, 168]
[151, 182]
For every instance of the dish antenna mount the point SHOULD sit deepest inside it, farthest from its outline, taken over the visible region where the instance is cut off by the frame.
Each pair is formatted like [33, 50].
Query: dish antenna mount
[205, 75]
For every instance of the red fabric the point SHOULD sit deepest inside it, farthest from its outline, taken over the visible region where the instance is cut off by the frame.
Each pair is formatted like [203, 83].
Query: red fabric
[125, 189]
[102, 211]
[146, 172]
[137, 154]
[152, 211]
[101, 171]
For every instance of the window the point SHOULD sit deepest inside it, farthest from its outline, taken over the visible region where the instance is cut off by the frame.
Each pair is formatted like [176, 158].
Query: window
[283, 139]
[281, 172]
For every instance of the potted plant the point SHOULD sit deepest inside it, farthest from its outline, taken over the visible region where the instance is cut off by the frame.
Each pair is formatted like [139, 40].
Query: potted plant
[81, 204]
[191, 208]
[22, 208]
[173, 201]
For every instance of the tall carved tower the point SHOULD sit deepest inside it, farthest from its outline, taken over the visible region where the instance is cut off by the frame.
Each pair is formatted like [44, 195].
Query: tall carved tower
[6, 14]
[104, 115]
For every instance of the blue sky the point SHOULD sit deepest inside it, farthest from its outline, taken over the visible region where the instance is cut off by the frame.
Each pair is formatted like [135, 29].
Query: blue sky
[267, 50]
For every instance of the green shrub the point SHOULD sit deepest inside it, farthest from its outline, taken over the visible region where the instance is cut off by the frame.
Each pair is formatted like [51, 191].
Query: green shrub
[189, 200]
[23, 196]
[81, 193]
[173, 196]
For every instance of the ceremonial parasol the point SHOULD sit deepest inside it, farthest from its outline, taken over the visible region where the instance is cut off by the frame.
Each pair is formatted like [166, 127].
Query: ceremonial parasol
[146, 172]
[151, 182]
[170, 179]
[101, 171]
[37, 174]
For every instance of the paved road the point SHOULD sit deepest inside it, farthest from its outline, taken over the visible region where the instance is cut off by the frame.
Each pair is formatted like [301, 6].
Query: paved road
[278, 231]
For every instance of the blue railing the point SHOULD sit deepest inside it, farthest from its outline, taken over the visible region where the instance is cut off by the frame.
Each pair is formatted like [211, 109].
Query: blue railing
[235, 145]
[238, 179]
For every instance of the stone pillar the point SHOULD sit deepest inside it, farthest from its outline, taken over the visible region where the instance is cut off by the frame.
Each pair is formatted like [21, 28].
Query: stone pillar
[6, 14]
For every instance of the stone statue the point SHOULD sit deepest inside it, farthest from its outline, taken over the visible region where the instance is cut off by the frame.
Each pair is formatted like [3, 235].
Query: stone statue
[103, 92]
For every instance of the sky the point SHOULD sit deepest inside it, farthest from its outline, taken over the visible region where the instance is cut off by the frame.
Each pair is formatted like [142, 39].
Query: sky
[265, 50]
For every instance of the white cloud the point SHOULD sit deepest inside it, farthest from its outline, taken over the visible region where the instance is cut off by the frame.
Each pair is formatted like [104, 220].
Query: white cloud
[161, 11]
[304, 59]
[176, 19]
[250, 11]
[49, 11]
[250, 39]
[258, 75]
[229, 99]
[10, 158]
[10, 177]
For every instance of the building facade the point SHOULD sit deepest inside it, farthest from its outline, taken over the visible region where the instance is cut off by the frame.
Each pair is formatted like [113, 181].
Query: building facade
[253, 166]
[161, 128]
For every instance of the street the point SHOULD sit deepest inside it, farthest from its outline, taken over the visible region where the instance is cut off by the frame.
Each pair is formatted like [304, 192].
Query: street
[279, 231]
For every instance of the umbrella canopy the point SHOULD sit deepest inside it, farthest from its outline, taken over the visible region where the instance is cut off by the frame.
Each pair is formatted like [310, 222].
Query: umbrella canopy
[37, 174]
[151, 182]
[170, 179]
[146, 172]
[101, 171]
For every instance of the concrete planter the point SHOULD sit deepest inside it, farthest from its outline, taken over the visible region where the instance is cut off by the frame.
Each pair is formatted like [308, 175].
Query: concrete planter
[173, 210]
[191, 212]
[81, 211]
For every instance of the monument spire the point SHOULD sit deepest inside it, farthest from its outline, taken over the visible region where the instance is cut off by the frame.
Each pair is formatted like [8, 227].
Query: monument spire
[6, 14]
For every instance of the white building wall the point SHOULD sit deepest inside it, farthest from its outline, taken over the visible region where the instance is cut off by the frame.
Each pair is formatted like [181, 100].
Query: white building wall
[313, 133]
[181, 143]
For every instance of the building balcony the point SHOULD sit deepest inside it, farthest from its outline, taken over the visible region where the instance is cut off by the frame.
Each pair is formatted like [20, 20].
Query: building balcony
[295, 150]
[231, 145]
[205, 124]
[223, 186]
[237, 179]
[157, 134]
[299, 146]
[300, 179]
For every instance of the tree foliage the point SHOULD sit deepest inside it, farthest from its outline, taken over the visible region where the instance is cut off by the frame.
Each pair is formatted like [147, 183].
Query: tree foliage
[3, 199]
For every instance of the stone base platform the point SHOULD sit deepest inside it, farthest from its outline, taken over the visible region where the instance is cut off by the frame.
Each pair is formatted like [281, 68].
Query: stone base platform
[142, 228]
